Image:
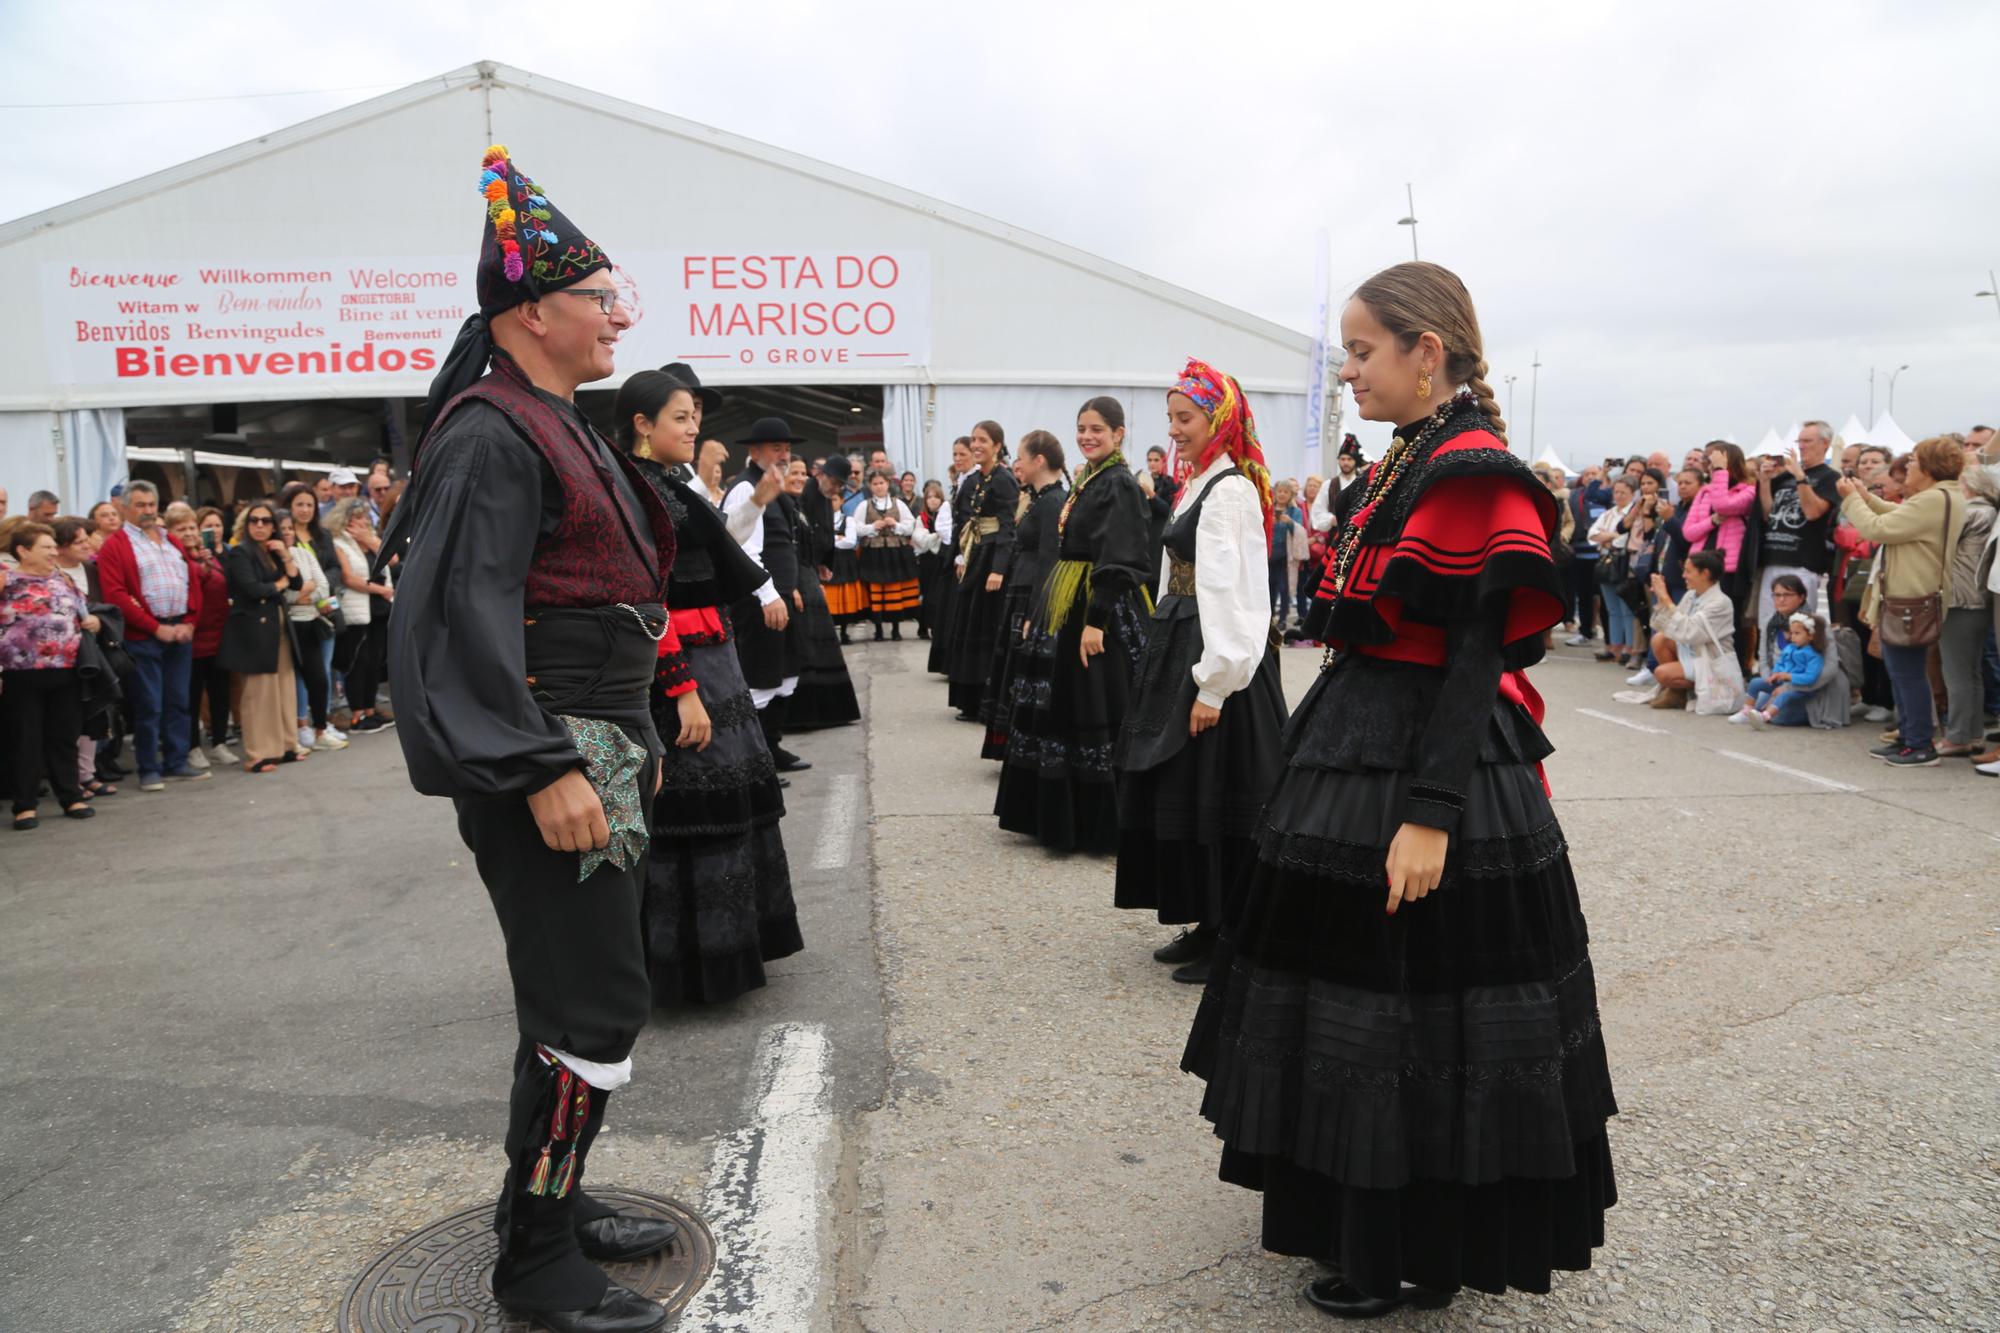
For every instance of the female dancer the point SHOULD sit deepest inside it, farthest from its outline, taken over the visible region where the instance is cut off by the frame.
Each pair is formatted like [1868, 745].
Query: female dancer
[986, 544]
[951, 526]
[846, 599]
[718, 902]
[825, 696]
[1041, 504]
[1401, 1037]
[882, 528]
[932, 540]
[1199, 750]
[1086, 634]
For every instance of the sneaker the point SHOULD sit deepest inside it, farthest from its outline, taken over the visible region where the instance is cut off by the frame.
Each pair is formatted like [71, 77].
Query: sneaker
[221, 754]
[1644, 676]
[196, 759]
[328, 740]
[1908, 758]
[334, 732]
[1884, 751]
[152, 782]
[187, 773]
[1876, 713]
[305, 738]
[1892, 734]
[363, 726]
[1579, 641]
[1991, 770]
[1740, 718]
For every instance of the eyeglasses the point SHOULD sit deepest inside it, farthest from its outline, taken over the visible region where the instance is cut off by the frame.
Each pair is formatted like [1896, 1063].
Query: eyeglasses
[255, 519]
[606, 297]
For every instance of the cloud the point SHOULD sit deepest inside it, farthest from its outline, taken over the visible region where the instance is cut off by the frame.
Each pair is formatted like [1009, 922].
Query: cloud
[1705, 217]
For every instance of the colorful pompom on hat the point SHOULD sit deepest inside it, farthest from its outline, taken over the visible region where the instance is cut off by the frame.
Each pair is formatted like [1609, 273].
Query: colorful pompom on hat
[529, 248]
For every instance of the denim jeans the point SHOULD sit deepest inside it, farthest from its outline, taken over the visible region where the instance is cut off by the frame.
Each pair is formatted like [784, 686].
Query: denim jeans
[159, 704]
[321, 648]
[1910, 681]
[1621, 623]
[1281, 588]
[1791, 705]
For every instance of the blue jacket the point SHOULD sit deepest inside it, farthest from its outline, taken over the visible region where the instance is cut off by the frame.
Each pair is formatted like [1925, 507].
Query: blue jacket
[1802, 664]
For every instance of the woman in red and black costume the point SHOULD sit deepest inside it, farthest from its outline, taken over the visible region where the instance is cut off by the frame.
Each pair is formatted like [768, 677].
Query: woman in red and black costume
[718, 902]
[1400, 1035]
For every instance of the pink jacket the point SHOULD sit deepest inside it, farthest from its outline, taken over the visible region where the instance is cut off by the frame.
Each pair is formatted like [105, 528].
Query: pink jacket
[1719, 508]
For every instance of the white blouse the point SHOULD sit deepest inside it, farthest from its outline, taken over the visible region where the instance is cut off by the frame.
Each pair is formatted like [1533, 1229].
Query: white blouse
[1231, 582]
[865, 517]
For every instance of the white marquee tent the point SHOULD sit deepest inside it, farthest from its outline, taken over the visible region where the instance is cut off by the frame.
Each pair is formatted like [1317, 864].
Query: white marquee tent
[329, 265]
[1890, 436]
[1853, 432]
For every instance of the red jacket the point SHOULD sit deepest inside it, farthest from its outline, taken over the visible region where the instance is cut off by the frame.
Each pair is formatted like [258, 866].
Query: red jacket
[214, 613]
[118, 574]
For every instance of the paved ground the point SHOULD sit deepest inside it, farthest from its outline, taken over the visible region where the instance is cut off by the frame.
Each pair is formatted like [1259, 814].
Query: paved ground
[256, 1027]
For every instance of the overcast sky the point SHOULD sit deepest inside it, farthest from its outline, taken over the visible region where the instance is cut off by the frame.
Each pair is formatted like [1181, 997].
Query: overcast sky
[1706, 218]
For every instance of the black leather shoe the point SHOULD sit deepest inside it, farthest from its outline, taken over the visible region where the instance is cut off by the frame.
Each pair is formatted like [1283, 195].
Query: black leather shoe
[1336, 1297]
[787, 762]
[620, 1311]
[617, 1238]
[1193, 974]
[1186, 946]
[783, 783]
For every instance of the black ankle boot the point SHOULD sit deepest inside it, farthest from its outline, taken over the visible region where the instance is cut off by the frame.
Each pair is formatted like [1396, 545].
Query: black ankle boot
[896, 631]
[1186, 946]
[843, 635]
[878, 631]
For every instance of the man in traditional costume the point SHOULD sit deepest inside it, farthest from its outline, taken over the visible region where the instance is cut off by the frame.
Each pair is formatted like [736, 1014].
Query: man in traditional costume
[768, 642]
[530, 623]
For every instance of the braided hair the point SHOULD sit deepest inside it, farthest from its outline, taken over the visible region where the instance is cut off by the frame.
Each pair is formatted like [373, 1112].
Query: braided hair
[1418, 298]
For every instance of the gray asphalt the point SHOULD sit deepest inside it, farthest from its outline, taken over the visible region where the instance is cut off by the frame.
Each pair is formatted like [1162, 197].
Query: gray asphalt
[258, 1030]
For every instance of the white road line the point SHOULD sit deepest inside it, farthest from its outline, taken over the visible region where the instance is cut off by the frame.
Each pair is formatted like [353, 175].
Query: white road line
[1798, 773]
[767, 1190]
[842, 812]
[1621, 722]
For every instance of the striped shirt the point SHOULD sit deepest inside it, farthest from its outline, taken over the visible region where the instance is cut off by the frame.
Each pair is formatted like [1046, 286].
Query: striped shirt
[163, 572]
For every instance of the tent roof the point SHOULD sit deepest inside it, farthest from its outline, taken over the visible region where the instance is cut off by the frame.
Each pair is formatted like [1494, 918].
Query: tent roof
[1773, 445]
[1890, 436]
[492, 74]
[1549, 460]
[1853, 432]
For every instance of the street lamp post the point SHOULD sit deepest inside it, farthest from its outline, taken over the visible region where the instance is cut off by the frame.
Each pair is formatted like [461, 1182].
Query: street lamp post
[1992, 290]
[1510, 394]
[1892, 388]
[1410, 220]
[1871, 395]
[1534, 399]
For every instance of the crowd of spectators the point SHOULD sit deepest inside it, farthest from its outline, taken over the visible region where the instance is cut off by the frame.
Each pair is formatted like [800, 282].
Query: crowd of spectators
[153, 643]
[1832, 584]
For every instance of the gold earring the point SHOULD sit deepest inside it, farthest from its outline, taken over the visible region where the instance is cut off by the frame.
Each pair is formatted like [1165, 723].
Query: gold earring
[1423, 384]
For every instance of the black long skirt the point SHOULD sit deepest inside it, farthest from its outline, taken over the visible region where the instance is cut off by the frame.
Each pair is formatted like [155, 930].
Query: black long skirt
[825, 694]
[934, 581]
[1420, 1097]
[1009, 652]
[976, 617]
[1057, 784]
[1186, 825]
[718, 897]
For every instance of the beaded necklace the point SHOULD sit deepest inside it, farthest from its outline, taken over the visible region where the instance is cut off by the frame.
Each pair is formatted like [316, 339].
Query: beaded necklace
[1116, 458]
[968, 539]
[1403, 456]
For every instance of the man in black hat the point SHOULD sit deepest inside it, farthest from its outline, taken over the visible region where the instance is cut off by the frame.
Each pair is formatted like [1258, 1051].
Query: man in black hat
[767, 641]
[529, 625]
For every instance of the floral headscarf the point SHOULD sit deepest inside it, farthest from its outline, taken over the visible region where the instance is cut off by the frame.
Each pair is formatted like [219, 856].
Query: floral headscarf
[1233, 429]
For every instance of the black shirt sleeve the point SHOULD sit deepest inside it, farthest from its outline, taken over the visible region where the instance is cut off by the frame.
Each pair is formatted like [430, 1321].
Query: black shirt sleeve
[1458, 724]
[1002, 495]
[457, 657]
[1124, 546]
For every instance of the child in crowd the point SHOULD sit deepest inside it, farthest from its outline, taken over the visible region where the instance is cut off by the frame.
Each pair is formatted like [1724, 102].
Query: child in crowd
[1777, 697]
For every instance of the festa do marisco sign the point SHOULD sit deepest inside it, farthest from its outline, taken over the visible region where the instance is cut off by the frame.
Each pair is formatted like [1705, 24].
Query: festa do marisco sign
[386, 325]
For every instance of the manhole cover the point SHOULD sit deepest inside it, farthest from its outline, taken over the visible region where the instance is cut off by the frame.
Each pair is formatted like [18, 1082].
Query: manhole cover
[439, 1280]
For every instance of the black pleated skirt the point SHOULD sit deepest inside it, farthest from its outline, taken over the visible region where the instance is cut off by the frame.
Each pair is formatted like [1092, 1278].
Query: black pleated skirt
[975, 624]
[1009, 652]
[1057, 784]
[1420, 1097]
[825, 694]
[1186, 824]
[718, 893]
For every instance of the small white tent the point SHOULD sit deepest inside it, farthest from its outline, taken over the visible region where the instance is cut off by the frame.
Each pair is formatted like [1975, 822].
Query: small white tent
[1853, 432]
[1791, 436]
[1552, 463]
[1890, 436]
[1772, 445]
